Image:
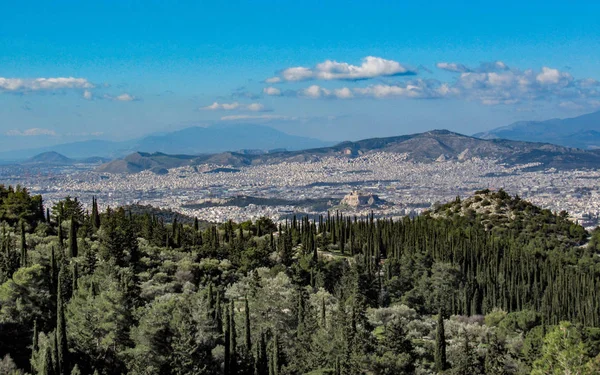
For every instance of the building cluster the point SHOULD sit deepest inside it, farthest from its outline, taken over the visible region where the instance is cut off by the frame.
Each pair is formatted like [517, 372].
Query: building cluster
[406, 187]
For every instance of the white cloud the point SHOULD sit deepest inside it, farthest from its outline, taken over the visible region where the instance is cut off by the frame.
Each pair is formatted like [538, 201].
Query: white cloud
[125, 98]
[87, 94]
[371, 67]
[38, 84]
[255, 107]
[297, 74]
[256, 117]
[550, 76]
[343, 93]
[30, 132]
[121, 98]
[222, 106]
[273, 80]
[453, 67]
[485, 67]
[315, 91]
[272, 91]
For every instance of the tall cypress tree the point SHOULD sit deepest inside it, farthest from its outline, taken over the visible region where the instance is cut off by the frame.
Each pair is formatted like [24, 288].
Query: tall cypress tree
[440, 344]
[61, 335]
[48, 365]
[275, 354]
[323, 314]
[53, 272]
[247, 332]
[95, 214]
[23, 246]
[73, 250]
[227, 338]
[232, 340]
[60, 233]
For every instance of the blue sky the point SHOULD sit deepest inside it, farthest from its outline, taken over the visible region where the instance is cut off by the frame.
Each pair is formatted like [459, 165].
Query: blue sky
[334, 70]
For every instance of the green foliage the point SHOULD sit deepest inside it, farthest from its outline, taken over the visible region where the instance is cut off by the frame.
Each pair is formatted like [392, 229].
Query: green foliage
[463, 292]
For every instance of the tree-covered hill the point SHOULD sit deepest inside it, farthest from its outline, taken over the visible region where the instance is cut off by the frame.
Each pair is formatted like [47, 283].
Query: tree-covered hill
[462, 290]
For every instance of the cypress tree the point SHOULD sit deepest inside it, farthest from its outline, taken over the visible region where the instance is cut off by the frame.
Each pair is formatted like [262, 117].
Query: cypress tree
[96, 216]
[61, 336]
[275, 355]
[227, 337]
[219, 313]
[323, 314]
[48, 365]
[23, 246]
[75, 277]
[48, 215]
[60, 233]
[261, 365]
[440, 344]
[73, 239]
[53, 273]
[232, 340]
[247, 333]
[34, 345]
[196, 225]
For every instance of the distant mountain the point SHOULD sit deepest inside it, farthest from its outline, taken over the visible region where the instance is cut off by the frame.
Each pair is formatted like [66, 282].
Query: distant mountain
[423, 147]
[194, 140]
[581, 132]
[220, 138]
[50, 158]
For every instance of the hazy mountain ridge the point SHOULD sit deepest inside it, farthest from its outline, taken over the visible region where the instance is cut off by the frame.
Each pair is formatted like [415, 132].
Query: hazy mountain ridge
[580, 132]
[422, 147]
[192, 140]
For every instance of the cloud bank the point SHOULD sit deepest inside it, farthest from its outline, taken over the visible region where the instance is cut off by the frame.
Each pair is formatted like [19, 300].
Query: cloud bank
[40, 84]
[490, 83]
[252, 107]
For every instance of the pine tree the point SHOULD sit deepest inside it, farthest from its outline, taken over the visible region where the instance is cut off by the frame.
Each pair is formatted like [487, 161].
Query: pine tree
[61, 336]
[440, 344]
[73, 239]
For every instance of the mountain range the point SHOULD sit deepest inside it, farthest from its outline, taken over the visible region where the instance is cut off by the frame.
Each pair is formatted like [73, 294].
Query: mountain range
[581, 132]
[193, 140]
[430, 146]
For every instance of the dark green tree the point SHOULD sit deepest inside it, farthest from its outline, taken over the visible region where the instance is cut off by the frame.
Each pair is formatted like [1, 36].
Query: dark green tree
[440, 344]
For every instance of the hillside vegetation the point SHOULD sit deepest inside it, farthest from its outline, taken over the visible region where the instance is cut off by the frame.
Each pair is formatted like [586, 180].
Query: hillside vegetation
[470, 288]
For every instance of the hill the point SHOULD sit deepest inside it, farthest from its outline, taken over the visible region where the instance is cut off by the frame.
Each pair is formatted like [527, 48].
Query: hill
[421, 147]
[581, 132]
[498, 211]
[50, 158]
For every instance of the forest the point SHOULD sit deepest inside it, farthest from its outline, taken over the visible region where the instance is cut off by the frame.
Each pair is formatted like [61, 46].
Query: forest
[490, 284]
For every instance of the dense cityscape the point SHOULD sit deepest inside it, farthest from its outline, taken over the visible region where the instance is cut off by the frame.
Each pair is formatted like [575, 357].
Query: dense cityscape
[406, 187]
